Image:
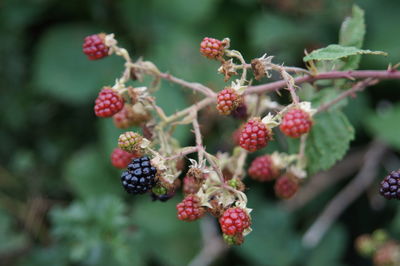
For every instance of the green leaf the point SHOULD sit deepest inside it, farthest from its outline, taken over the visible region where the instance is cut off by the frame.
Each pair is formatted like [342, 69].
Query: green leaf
[328, 141]
[386, 125]
[353, 29]
[352, 34]
[335, 51]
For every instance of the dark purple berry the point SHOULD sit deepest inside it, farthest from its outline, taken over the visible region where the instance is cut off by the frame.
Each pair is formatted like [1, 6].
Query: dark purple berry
[390, 186]
[140, 176]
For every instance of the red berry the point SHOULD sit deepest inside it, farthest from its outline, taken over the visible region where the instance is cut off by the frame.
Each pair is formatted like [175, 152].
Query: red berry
[255, 135]
[108, 103]
[94, 46]
[121, 159]
[286, 186]
[234, 221]
[295, 123]
[212, 48]
[263, 169]
[190, 185]
[228, 100]
[189, 209]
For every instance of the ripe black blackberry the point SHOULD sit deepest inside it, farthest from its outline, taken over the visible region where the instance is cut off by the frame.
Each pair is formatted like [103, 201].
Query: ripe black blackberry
[390, 186]
[140, 176]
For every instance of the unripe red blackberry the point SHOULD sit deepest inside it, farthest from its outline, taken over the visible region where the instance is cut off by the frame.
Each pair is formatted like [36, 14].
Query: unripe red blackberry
[121, 159]
[94, 46]
[390, 186]
[140, 176]
[254, 135]
[124, 118]
[212, 48]
[108, 103]
[228, 100]
[234, 221]
[190, 185]
[286, 186]
[190, 209]
[263, 169]
[296, 122]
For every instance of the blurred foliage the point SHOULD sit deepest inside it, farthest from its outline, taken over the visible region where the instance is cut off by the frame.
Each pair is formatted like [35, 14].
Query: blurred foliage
[54, 147]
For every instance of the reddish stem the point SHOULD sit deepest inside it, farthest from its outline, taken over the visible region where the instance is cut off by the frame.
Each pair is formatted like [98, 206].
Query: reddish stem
[358, 74]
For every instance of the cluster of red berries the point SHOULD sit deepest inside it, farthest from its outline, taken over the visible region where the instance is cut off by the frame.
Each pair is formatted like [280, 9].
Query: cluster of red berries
[263, 169]
[233, 221]
[255, 134]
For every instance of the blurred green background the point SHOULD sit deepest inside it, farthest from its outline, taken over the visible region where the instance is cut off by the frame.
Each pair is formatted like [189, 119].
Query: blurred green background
[60, 199]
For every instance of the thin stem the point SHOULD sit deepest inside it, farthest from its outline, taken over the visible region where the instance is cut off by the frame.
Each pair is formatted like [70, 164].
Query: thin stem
[199, 141]
[346, 196]
[240, 164]
[359, 86]
[289, 69]
[190, 85]
[358, 74]
[214, 166]
[302, 149]
[196, 107]
[183, 152]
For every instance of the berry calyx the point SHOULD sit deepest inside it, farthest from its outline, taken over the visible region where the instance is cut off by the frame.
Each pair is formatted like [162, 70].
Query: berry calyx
[94, 46]
[262, 169]
[190, 209]
[254, 135]
[390, 186]
[212, 48]
[296, 122]
[108, 103]
[286, 186]
[120, 158]
[228, 100]
[233, 240]
[140, 176]
[234, 221]
[130, 141]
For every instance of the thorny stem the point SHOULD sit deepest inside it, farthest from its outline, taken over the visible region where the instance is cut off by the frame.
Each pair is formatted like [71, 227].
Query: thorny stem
[216, 168]
[358, 74]
[240, 164]
[288, 69]
[359, 86]
[302, 149]
[183, 152]
[199, 141]
[191, 85]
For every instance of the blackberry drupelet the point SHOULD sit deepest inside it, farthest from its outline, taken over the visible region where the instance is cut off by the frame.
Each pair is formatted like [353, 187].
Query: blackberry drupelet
[140, 176]
[390, 186]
